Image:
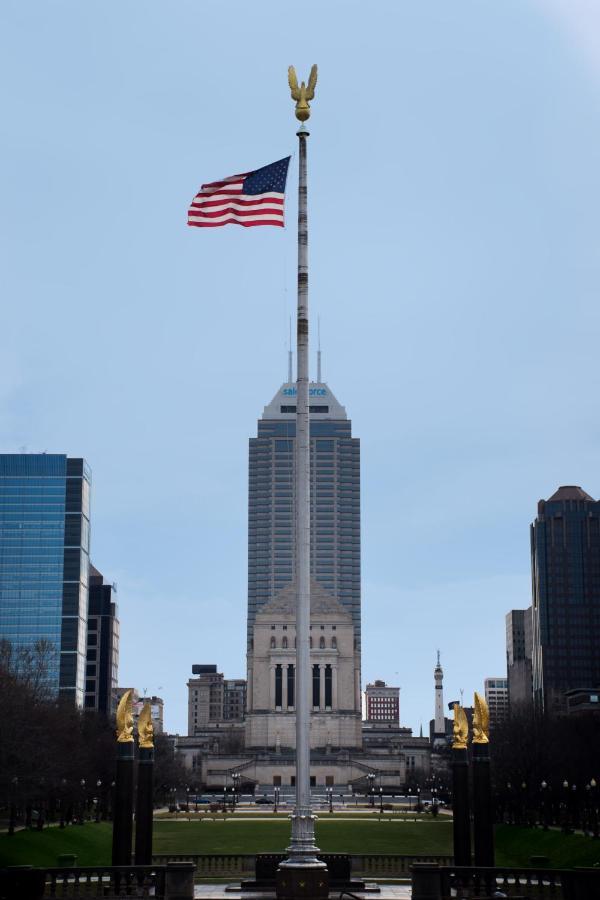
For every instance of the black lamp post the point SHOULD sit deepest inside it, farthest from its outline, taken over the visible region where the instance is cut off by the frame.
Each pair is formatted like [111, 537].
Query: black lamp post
[98, 795]
[14, 785]
[380, 800]
[419, 807]
[370, 780]
[544, 804]
[574, 806]
[276, 799]
[236, 781]
[565, 807]
[329, 792]
[111, 800]
[62, 801]
[594, 807]
[83, 799]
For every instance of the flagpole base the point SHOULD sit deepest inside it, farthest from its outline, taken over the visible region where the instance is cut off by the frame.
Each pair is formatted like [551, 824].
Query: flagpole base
[297, 881]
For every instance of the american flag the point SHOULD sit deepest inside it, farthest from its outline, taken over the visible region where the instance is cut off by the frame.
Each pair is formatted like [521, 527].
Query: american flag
[252, 198]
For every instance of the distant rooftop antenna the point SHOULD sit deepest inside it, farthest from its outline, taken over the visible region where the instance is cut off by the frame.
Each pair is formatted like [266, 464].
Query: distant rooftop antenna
[438, 658]
[319, 351]
[462, 691]
[290, 361]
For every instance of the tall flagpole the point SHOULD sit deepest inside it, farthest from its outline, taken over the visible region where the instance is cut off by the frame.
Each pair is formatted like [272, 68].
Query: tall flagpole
[302, 874]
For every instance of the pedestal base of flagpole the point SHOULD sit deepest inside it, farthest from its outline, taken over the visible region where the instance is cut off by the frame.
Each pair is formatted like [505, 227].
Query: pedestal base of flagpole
[302, 882]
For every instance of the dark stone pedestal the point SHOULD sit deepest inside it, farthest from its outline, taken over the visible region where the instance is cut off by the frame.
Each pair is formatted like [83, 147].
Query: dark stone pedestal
[306, 883]
[483, 816]
[461, 822]
[144, 809]
[123, 808]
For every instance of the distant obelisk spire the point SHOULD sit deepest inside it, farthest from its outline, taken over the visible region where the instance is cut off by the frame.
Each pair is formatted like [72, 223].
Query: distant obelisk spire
[440, 720]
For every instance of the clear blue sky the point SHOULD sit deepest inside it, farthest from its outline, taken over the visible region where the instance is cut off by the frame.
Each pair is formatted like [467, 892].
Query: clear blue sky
[454, 197]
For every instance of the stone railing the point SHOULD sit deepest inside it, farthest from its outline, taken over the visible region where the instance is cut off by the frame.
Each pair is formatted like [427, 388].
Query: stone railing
[243, 865]
[392, 865]
[174, 881]
[445, 882]
[213, 865]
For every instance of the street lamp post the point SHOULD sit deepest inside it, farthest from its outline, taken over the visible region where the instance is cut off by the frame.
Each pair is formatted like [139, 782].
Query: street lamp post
[98, 786]
[380, 800]
[594, 809]
[236, 781]
[329, 792]
[370, 780]
[524, 804]
[14, 784]
[62, 800]
[565, 807]
[574, 806]
[544, 804]
[276, 799]
[83, 798]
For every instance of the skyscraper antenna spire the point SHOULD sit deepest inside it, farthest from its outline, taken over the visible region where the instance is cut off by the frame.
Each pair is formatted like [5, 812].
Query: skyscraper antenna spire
[290, 355]
[438, 657]
[319, 350]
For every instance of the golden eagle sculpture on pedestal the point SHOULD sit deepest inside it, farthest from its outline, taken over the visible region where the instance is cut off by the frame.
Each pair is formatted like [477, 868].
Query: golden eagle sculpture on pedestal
[146, 728]
[481, 721]
[460, 729]
[304, 93]
[125, 718]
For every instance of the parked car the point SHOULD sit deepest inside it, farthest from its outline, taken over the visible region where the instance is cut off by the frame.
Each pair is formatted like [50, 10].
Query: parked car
[263, 800]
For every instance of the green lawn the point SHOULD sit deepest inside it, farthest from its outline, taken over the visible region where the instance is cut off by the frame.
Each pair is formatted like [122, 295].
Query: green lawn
[514, 846]
[333, 836]
[92, 843]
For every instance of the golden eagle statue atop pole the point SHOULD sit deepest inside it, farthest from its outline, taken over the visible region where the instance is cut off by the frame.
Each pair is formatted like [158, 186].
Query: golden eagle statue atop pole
[481, 721]
[146, 727]
[304, 93]
[460, 729]
[125, 718]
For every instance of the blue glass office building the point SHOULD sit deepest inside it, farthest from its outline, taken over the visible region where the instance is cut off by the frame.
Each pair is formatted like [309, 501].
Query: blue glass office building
[335, 502]
[565, 555]
[44, 560]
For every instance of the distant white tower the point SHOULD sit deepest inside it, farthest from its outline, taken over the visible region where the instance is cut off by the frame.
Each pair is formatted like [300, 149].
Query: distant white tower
[439, 730]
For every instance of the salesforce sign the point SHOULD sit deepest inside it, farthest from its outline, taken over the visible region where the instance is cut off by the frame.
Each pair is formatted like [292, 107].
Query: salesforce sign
[313, 392]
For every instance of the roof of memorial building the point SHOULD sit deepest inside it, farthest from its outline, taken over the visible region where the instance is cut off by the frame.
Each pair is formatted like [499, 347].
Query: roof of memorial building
[321, 602]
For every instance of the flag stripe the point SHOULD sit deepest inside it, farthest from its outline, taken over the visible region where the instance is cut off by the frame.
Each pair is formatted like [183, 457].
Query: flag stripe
[269, 201]
[233, 221]
[231, 214]
[215, 214]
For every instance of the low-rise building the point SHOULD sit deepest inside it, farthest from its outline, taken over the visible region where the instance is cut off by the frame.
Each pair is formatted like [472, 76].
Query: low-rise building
[213, 699]
[382, 703]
